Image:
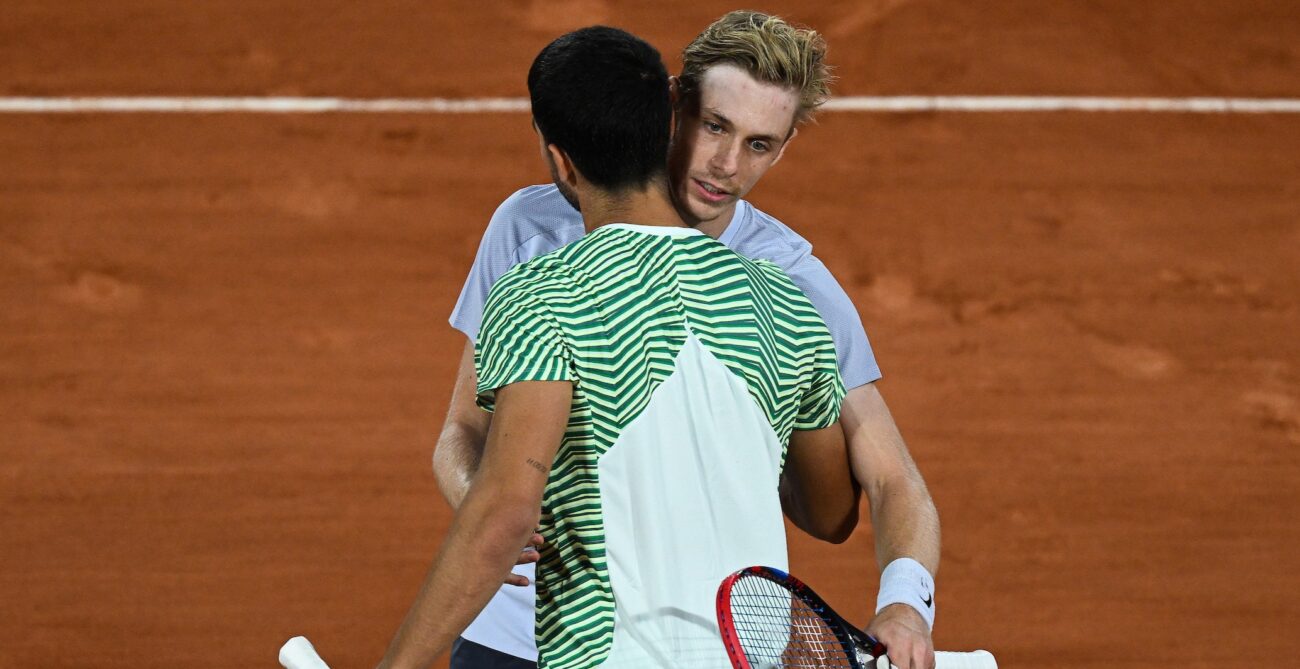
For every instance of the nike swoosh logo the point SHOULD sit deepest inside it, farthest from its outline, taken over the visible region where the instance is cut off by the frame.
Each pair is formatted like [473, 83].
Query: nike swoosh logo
[929, 601]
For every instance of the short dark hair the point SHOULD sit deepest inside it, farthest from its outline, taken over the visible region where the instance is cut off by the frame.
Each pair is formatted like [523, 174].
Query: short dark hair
[601, 95]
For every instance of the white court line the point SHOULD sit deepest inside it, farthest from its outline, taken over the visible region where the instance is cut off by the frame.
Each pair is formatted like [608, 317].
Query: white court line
[260, 105]
[878, 104]
[971, 103]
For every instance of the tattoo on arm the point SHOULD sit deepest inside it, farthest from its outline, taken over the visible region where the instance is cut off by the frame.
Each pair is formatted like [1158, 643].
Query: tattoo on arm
[538, 466]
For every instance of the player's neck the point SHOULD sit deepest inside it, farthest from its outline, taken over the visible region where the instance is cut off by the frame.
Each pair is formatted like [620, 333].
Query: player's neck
[717, 225]
[648, 206]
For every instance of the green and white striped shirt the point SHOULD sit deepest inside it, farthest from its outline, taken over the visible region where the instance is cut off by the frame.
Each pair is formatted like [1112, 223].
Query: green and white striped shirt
[691, 365]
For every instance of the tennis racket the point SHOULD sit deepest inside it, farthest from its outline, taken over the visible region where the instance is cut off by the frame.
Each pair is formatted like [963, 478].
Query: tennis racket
[298, 653]
[771, 620]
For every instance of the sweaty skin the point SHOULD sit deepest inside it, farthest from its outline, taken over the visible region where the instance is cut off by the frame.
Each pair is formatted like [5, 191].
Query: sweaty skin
[727, 137]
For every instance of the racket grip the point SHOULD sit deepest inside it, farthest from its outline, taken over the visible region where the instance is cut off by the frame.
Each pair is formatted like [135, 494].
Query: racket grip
[298, 653]
[980, 659]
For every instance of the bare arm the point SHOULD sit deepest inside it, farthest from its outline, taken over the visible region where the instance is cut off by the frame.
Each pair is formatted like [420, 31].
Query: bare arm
[818, 492]
[497, 516]
[902, 513]
[460, 446]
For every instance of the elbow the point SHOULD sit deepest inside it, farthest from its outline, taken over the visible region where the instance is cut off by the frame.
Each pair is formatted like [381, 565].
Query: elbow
[520, 515]
[839, 532]
[831, 519]
[507, 526]
[833, 526]
[838, 526]
[503, 514]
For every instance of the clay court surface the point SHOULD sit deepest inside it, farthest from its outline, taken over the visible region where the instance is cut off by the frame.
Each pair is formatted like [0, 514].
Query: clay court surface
[224, 355]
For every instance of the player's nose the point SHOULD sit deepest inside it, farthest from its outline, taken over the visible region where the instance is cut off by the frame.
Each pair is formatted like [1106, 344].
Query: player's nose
[724, 160]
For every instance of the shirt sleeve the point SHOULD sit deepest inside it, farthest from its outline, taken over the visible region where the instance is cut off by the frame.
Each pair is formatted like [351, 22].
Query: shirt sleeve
[821, 402]
[857, 362]
[520, 341]
[533, 221]
[495, 256]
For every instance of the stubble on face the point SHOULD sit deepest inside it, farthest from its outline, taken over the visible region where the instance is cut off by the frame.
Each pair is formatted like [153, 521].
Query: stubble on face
[570, 195]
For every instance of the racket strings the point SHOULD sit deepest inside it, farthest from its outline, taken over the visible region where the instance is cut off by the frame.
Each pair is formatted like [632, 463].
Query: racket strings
[777, 629]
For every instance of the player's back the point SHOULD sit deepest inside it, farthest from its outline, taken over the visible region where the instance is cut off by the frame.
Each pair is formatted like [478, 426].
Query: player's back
[691, 365]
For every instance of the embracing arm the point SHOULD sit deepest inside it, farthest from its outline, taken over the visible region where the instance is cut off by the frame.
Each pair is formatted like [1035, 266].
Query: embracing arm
[460, 446]
[818, 492]
[902, 513]
[496, 518]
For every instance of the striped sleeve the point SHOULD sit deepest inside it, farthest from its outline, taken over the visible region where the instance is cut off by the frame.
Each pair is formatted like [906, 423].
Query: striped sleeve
[520, 340]
[820, 405]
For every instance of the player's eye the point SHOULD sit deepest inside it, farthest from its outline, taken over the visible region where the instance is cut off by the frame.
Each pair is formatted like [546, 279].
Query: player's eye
[713, 127]
[759, 146]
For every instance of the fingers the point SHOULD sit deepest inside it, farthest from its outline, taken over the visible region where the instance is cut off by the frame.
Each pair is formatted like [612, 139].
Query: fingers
[902, 630]
[527, 556]
[909, 653]
[906, 653]
[530, 554]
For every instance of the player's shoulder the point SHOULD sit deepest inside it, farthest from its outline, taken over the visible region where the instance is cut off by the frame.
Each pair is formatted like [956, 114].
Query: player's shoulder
[775, 279]
[539, 275]
[537, 197]
[761, 235]
[531, 213]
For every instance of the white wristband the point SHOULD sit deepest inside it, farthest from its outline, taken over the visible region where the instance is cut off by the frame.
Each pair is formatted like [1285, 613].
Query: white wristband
[905, 581]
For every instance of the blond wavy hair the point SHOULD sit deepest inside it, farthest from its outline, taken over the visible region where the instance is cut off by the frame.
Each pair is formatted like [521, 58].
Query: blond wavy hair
[769, 49]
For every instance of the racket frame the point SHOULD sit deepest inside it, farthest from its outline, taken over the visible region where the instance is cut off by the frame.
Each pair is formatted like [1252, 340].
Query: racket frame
[855, 642]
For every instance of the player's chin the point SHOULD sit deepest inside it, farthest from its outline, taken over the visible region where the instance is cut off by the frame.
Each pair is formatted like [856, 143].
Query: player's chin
[707, 211]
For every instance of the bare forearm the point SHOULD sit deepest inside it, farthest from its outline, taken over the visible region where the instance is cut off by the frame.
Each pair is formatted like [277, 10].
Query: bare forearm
[455, 459]
[459, 452]
[480, 548]
[906, 523]
[903, 515]
[497, 517]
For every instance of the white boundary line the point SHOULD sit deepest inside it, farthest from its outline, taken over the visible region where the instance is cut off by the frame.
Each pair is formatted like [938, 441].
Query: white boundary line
[878, 104]
[968, 103]
[260, 105]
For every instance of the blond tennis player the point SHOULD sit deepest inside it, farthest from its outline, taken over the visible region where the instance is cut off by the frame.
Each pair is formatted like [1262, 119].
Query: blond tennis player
[748, 82]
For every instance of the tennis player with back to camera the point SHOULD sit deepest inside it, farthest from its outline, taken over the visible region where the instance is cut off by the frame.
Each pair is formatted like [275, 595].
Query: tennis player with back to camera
[748, 81]
[646, 381]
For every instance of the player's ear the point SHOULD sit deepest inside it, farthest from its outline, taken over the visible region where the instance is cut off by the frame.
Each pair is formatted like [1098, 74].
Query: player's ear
[674, 90]
[781, 151]
[564, 168]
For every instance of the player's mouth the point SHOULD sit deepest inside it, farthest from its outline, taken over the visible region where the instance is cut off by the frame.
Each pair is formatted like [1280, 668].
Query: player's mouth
[709, 192]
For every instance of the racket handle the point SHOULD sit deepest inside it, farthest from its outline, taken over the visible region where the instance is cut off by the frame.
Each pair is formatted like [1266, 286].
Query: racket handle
[980, 659]
[298, 653]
